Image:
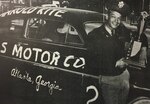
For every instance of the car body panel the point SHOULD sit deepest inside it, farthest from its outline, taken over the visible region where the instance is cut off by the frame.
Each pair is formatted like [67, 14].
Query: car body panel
[37, 70]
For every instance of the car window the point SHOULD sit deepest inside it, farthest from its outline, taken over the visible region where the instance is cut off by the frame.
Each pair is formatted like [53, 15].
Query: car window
[89, 26]
[72, 36]
[45, 30]
[12, 27]
[52, 31]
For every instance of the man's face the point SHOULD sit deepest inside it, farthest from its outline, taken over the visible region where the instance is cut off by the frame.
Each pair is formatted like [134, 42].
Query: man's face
[114, 19]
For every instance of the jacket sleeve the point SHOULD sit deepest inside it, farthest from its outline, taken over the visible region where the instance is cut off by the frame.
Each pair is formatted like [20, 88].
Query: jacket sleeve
[144, 40]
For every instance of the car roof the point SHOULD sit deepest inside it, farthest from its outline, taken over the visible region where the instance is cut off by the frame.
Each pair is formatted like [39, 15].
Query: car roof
[56, 13]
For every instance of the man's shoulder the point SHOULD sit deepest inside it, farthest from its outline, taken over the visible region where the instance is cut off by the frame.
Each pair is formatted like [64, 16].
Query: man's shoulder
[96, 31]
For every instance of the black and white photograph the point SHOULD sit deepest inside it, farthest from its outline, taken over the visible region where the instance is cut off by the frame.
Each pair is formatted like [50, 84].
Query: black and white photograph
[74, 51]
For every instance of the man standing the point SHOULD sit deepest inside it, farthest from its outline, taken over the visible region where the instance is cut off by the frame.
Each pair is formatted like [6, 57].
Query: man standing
[106, 45]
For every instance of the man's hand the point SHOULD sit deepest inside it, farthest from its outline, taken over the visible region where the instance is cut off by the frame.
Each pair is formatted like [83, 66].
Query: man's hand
[121, 64]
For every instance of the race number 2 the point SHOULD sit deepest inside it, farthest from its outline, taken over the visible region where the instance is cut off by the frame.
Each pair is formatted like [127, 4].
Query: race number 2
[91, 87]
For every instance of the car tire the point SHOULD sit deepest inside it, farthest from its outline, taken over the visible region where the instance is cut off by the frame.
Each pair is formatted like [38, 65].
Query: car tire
[140, 100]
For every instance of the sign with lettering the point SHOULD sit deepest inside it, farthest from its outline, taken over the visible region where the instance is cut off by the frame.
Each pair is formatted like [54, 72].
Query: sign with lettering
[46, 76]
[40, 72]
[39, 81]
[41, 56]
[54, 86]
[35, 10]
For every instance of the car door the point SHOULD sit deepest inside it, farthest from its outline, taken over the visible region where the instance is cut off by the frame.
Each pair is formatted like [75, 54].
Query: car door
[44, 61]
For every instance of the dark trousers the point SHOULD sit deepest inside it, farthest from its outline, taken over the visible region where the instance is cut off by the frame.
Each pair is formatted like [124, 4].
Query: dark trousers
[115, 88]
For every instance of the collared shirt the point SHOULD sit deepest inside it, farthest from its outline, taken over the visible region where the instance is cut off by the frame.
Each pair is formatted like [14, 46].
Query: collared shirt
[108, 30]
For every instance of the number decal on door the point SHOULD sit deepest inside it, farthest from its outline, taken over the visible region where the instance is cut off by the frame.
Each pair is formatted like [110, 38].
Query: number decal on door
[96, 94]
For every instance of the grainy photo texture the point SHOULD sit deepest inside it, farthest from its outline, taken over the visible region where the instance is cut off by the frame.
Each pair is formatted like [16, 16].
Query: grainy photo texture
[74, 51]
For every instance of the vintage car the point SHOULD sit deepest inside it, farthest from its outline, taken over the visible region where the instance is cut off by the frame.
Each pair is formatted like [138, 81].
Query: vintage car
[43, 57]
